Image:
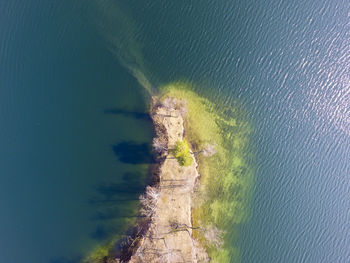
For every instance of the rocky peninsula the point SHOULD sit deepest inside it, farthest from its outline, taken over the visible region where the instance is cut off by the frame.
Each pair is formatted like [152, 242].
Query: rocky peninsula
[198, 188]
[180, 219]
[166, 233]
[169, 237]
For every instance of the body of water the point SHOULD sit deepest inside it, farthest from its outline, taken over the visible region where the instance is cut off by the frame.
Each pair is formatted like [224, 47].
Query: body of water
[70, 109]
[67, 114]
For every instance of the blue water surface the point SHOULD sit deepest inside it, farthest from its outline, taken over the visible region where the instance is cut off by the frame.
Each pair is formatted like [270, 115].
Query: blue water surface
[69, 95]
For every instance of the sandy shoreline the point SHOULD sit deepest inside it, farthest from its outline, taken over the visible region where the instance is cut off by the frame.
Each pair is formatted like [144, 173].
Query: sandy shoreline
[168, 204]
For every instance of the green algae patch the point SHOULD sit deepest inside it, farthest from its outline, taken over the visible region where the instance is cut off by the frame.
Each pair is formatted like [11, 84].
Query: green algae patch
[99, 253]
[182, 153]
[226, 178]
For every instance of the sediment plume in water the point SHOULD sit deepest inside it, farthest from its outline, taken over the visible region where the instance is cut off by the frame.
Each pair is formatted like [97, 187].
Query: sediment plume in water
[118, 29]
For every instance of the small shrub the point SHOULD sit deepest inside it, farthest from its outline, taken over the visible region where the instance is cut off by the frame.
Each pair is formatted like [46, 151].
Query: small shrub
[182, 153]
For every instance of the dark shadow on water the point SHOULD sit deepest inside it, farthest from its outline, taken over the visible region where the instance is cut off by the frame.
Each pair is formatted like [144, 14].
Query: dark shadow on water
[118, 211]
[116, 202]
[101, 233]
[130, 114]
[128, 190]
[133, 153]
[115, 188]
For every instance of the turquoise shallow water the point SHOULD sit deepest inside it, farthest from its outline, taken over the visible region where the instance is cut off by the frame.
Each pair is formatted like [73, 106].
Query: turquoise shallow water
[66, 100]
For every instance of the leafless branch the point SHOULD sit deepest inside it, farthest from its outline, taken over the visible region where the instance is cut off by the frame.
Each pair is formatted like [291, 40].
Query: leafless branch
[207, 151]
[159, 146]
[149, 201]
[214, 235]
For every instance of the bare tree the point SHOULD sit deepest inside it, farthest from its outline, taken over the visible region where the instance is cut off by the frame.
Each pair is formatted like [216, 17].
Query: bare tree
[163, 255]
[159, 146]
[164, 115]
[182, 111]
[182, 107]
[174, 104]
[149, 201]
[207, 151]
[214, 235]
[169, 103]
[172, 255]
[176, 226]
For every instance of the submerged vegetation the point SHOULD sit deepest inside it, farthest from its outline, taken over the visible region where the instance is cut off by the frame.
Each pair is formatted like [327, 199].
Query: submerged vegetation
[219, 142]
[182, 153]
[218, 139]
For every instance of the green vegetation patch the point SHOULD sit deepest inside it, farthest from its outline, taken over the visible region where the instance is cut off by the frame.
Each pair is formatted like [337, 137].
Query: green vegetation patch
[226, 178]
[182, 153]
[222, 200]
